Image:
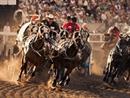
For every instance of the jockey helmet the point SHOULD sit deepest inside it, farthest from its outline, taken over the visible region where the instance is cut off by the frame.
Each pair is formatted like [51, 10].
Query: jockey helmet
[68, 17]
[74, 19]
[128, 33]
[50, 16]
[34, 17]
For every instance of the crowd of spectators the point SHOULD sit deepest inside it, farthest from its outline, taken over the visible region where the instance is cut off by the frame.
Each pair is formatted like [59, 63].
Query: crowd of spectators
[89, 11]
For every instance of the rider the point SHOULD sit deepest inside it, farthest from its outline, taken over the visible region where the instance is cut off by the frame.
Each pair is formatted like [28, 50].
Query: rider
[114, 33]
[53, 25]
[71, 25]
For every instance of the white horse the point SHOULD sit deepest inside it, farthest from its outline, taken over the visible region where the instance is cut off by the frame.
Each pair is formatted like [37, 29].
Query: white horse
[22, 31]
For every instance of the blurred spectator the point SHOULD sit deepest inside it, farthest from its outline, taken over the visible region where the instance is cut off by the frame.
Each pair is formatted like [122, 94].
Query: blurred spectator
[104, 19]
[6, 29]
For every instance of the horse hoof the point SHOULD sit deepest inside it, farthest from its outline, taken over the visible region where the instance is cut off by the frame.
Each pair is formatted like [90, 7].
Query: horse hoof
[20, 83]
[107, 85]
[113, 83]
[58, 89]
[53, 88]
[104, 79]
[19, 80]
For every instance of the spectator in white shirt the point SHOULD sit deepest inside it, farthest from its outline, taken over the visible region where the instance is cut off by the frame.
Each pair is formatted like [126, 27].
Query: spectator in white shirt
[6, 28]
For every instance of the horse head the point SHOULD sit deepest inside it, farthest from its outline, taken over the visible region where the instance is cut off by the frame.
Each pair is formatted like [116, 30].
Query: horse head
[78, 39]
[64, 34]
[85, 34]
[123, 44]
[45, 31]
[75, 44]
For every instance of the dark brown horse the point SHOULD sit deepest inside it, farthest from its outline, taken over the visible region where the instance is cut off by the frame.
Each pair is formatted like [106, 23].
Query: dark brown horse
[35, 54]
[118, 60]
[70, 59]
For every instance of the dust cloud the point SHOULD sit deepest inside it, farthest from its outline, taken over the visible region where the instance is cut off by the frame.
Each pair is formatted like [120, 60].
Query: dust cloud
[9, 70]
[99, 62]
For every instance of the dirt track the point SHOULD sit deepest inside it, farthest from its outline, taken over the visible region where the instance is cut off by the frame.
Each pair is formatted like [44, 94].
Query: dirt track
[80, 87]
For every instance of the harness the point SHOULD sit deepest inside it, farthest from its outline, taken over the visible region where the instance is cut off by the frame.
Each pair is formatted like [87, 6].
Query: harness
[35, 38]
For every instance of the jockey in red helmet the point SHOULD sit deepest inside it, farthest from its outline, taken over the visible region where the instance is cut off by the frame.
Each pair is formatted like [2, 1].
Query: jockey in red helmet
[71, 25]
[114, 32]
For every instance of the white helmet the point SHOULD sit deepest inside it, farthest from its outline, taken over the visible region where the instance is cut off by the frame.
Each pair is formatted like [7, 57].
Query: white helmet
[50, 16]
[128, 32]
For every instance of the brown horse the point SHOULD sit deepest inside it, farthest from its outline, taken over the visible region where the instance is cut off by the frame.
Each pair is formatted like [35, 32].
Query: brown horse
[35, 54]
[75, 55]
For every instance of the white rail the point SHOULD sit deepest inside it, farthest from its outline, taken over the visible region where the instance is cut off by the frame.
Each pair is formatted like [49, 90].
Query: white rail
[94, 40]
[8, 34]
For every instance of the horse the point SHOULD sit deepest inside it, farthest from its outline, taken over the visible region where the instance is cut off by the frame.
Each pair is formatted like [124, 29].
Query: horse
[35, 53]
[84, 67]
[85, 34]
[23, 31]
[116, 60]
[70, 59]
[126, 60]
[64, 34]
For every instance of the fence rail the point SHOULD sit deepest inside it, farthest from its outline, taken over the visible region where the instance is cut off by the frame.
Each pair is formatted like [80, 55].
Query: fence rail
[8, 34]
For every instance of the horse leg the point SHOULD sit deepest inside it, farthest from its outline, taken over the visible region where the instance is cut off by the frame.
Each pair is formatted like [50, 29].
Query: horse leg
[116, 73]
[127, 78]
[34, 70]
[105, 79]
[20, 75]
[110, 75]
[57, 72]
[66, 78]
[107, 72]
[128, 75]
[23, 68]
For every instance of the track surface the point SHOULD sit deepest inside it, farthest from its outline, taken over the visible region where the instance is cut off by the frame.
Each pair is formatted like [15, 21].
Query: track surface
[79, 87]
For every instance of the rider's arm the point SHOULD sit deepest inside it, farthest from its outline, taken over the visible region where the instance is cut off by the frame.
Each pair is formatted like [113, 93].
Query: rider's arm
[64, 26]
[77, 27]
[57, 27]
[109, 30]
